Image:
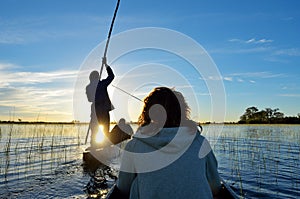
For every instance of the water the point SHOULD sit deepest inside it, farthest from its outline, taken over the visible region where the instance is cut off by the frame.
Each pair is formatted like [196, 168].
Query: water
[260, 161]
[41, 161]
[45, 161]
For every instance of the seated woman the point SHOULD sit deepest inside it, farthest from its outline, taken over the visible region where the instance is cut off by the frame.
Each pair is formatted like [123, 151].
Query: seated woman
[167, 157]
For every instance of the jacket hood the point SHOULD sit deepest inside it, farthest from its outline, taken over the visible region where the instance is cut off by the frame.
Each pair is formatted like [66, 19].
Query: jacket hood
[153, 152]
[167, 140]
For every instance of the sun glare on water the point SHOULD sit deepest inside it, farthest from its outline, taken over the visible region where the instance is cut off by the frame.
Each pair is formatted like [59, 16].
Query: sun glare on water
[100, 135]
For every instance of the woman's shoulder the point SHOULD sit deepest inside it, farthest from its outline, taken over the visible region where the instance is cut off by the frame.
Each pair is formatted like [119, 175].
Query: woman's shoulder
[200, 138]
[131, 144]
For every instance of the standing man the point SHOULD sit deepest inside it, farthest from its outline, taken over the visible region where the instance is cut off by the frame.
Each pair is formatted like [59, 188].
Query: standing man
[101, 105]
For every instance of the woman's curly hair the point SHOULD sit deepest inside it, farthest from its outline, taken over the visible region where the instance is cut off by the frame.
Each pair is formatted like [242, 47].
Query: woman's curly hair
[176, 109]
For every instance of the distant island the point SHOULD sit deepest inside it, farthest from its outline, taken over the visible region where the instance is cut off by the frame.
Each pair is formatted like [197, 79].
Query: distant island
[40, 122]
[48, 122]
[253, 115]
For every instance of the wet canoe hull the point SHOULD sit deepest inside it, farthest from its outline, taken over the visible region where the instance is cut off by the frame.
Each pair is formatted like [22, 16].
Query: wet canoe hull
[225, 193]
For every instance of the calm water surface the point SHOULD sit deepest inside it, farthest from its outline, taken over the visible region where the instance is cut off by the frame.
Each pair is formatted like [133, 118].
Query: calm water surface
[45, 161]
[260, 161]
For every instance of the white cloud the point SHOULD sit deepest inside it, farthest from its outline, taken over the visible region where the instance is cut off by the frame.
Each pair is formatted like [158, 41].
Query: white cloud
[5, 66]
[25, 78]
[215, 78]
[242, 77]
[235, 40]
[251, 76]
[241, 50]
[252, 41]
[240, 80]
[28, 102]
[264, 41]
[32, 93]
[290, 95]
[20, 30]
[263, 74]
[10, 38]
[32, 29]
[228, 79]
[288, 52]
[203, 94]
[288, 18]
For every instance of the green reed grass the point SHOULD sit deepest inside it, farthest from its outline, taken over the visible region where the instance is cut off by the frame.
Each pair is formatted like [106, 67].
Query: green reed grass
[78, 135]
[7, 152]
[32, 144]
[49, 143]
[42, 137]
[52, 149]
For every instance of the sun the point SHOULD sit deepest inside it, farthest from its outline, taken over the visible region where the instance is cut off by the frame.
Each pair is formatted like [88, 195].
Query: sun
[100, 135]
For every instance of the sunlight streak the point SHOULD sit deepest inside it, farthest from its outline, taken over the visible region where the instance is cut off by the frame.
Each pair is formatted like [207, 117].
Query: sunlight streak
[100, 136]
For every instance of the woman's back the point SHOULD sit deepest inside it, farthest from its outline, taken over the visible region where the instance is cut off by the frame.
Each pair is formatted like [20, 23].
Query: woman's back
[186, 175]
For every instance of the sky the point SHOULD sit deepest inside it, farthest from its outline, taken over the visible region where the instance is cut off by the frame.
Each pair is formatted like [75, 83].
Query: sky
[46, 46]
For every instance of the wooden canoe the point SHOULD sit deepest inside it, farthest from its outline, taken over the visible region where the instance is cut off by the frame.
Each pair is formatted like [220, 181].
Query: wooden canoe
[92, 164]
[225, 193]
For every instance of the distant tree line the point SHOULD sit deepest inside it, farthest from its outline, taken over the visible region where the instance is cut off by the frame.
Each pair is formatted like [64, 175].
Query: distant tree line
[253, 115]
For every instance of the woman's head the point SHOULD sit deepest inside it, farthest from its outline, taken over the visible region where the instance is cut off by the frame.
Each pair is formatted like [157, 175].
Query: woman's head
[164, 105]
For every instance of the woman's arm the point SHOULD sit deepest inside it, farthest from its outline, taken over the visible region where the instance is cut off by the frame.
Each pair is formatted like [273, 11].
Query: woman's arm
[124, 182]
[126, 174]
[212, 174]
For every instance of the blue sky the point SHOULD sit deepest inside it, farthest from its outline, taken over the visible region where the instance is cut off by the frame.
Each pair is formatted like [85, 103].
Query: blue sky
[254, 44]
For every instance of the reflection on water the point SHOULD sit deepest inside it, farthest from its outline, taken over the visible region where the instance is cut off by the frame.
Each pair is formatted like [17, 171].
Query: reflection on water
[42, 161]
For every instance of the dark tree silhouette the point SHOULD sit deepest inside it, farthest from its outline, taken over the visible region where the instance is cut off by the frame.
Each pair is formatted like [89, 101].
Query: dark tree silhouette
[252, 115]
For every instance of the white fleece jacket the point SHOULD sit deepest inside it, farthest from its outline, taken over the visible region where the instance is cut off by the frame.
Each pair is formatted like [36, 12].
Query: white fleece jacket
[174, 163]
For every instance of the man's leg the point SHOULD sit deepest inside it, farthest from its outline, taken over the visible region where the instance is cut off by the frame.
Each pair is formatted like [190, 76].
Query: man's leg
[104, 120]
[94, 127]
[106, 123]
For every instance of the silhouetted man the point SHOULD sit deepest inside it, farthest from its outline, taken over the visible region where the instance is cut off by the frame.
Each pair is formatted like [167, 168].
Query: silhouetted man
[101, 105]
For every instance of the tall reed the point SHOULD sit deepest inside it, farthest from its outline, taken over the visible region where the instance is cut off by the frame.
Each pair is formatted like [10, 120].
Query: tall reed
[52, 149]
[7, 152]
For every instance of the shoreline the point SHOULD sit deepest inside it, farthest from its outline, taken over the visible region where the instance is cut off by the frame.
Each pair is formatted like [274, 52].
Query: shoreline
[134, 123]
